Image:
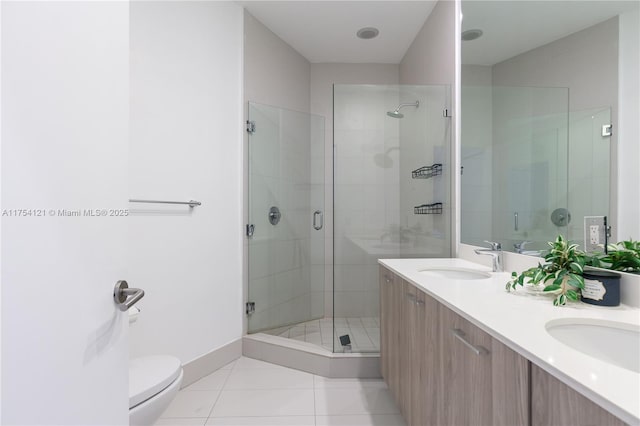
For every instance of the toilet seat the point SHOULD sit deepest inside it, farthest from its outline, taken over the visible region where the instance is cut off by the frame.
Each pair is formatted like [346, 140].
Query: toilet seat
[150, 375]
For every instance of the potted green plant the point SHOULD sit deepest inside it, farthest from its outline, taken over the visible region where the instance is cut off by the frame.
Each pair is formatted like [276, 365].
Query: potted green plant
[561, 273]
[623, 256]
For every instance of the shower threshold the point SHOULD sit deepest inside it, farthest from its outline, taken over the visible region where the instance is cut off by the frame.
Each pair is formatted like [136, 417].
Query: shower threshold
[310, 357]
[363, 333]
[309, 346]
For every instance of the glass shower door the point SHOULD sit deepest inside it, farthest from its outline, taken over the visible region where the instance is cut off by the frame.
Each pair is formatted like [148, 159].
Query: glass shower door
[589, 168]
[286, 212]
[388, 167]
[530, 158]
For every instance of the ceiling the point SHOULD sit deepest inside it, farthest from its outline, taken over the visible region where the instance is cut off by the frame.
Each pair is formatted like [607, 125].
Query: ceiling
[514, 27]
[325, 31]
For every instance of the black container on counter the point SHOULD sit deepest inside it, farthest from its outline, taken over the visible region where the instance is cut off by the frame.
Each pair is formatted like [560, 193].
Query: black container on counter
[601, 288]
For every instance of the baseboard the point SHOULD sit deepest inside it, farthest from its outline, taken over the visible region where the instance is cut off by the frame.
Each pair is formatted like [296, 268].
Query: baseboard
[208, 363]
[310, 358]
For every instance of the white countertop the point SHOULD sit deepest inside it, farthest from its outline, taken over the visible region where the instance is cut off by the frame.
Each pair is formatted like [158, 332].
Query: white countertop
[518, 320]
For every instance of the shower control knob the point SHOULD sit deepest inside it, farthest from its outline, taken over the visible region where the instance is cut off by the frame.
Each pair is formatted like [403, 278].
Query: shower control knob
[274, 215]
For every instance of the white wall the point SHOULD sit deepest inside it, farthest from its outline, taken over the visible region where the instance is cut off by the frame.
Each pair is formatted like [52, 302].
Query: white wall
[586, 62]
[186, 143]
[431, 60]
[282, 280]
[323, 77]
[431, 57]
[274, 73]
[629, 127]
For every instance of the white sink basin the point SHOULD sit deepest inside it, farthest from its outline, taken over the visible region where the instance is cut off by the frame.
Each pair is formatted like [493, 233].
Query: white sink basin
[453, 273]
[613, 342]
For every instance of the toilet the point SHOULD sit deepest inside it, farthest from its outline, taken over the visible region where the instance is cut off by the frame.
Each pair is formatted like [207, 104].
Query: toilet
[153, 383]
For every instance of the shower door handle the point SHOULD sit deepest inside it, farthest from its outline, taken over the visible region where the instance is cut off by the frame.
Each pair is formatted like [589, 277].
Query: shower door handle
[318, 214]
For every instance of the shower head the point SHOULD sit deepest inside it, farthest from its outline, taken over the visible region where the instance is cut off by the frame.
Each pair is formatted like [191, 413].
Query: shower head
[397, 114]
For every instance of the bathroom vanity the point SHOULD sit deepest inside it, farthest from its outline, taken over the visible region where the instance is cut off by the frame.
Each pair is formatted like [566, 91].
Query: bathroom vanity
[457, 349]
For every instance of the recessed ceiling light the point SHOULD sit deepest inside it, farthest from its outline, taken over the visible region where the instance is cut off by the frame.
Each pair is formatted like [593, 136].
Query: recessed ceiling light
[367, 33]
[471, 35]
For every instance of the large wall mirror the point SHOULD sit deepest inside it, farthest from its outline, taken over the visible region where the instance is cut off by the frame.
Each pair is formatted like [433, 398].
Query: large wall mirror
[540, 111]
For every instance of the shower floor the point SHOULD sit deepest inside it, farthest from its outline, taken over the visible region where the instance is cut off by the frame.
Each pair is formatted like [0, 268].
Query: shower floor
[363, 332]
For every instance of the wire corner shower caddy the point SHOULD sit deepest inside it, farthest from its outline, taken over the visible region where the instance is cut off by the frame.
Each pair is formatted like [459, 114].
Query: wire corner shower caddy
[427, 172]
[433, 208]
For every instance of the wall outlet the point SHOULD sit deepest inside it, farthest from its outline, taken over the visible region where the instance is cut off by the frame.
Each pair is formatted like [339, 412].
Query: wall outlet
[594, 233]
[594, 237]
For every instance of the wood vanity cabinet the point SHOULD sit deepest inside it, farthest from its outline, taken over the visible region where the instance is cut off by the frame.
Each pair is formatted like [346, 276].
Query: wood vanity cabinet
[399, 338]
[443, 370]
[554, 403]
[407, 347]
[385, 278]
[483, 381]
[425, 365]
[390, 319]
[466, 372]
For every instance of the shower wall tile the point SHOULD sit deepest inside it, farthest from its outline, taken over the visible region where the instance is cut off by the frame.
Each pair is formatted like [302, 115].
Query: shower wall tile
[349, 197]
[373, 142]
[349, 143]
[287, 255]
[316, 254]
[317, 304]
[371, 173]
[376, 197]
[284, 285]
[349, 277]
[316, 201]
[328, 303]
[260, 259]
[317, 278]
[349, 169]
[260, 293]
[371, 282]
[371, 300]
[363, 135]
[351, 303]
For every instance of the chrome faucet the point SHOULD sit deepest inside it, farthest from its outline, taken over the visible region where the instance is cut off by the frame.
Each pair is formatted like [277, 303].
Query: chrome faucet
[519, 247]
[496, 254]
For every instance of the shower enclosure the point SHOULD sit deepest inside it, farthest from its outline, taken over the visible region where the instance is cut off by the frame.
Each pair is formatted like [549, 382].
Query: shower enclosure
[533, 168]
[390, 196]
[391, 193]
[286, 218]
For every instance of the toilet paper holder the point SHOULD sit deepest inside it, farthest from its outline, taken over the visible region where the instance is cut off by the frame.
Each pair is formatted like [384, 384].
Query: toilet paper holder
[126, 297]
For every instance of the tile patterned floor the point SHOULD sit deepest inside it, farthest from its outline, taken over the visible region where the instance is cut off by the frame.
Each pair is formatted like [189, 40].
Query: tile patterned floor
[364, 333]
[248, 392]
